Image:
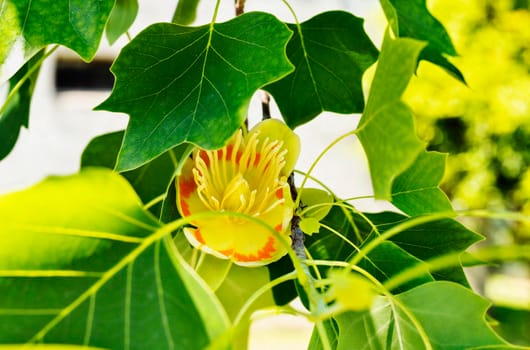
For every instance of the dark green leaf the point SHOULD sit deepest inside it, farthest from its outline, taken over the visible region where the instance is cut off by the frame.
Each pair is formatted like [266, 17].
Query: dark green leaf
[430, 240]
[388, 259]
[386, 129]
[76, 24]
[185, 12]
[451, 316]
[150, 180]
[330, 51]
[193, 84]
[412, 19]
[82, 263]
[121, 18]
[15, 113]
[416, 190]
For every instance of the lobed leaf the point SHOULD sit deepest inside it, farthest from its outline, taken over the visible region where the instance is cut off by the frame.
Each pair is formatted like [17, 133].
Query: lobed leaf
[386, 129]
[412, 19]
[450, 316]
[330, 51]
[81, 262]
[193, 84]
[416, 190]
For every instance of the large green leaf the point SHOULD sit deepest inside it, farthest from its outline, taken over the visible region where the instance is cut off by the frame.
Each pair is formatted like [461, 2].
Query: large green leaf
[388, 259]
[14, 114]
[416, 190]
[412, 19]
[430, 240]
[81, 262]
[386, 129]
[451, 317]
[121, 18]
[77, 24]
[330, 51]
[150, 180]
[193, 84]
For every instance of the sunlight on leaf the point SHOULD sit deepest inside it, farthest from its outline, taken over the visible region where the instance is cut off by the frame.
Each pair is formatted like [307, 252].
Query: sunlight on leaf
[83, 263]
[451, 316]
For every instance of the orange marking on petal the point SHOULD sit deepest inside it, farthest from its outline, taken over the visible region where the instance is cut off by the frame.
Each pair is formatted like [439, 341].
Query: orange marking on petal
[185, 208]
[229, 150]
[186, 187]
[238, 157]
[204, 157]
[227, 252]
[278, 228]
[279, 193]
[267, 250]
[258, 158]
[262, 254]
[198, 236]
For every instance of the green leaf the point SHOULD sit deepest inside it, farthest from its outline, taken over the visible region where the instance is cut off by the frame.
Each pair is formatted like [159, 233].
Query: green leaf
[121, 18]
[14, 114]
[386, 129]
[416, 190]
[316, 203]
[193, 84]
[388, 259]
[185, 12]
[81, 262]
[76, 24]
[412, 19]
[330, 51]
[150, 180]
[452, 318]
[430, 240]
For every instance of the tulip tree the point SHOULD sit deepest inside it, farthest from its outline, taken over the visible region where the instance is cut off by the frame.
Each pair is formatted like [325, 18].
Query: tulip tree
[178, 228]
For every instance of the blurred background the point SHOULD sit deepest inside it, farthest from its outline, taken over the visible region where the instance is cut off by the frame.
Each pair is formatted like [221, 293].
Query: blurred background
[485, 127]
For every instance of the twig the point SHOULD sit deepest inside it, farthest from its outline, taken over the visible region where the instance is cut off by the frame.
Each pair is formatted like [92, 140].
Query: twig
[297, 235]
[265, 105]
[240, 7]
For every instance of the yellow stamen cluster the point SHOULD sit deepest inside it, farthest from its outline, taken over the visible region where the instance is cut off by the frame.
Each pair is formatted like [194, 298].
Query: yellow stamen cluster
[241, 177]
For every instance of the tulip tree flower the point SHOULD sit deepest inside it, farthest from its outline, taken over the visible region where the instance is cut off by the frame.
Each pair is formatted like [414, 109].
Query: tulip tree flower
[247, 176]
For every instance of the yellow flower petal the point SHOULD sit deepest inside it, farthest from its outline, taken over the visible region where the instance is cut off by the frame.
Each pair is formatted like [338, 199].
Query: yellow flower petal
[247, 176]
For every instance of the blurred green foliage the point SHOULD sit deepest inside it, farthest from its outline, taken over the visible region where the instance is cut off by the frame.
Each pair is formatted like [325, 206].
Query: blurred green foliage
[485, 125]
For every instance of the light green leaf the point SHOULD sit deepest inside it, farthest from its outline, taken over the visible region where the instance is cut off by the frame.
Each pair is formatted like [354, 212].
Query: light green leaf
[193, 84]
[121, 18]
[386, 129]
[316, 203]
[330, 51]
[14, 113]
[82, 263]
[412, 19]
[416, 190]
[450, 316]
[309, 225]
[150, 181]
[76, 24]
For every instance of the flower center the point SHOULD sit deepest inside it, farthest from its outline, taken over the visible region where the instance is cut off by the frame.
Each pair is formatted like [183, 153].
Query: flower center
[241, 177]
